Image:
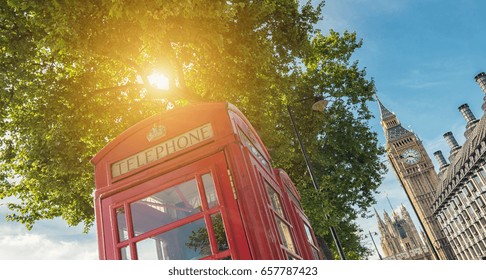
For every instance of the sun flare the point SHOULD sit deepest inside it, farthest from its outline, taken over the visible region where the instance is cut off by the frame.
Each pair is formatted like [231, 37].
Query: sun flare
[158, 81]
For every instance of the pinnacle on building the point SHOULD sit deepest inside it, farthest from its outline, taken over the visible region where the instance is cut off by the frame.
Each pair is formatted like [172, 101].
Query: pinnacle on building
[391, 125]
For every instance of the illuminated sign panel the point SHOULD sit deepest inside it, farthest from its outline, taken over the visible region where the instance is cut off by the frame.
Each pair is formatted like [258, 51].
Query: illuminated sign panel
[161, 150]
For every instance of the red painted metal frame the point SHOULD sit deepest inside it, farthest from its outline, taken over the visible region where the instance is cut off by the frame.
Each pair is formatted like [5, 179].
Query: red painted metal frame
[241, 168]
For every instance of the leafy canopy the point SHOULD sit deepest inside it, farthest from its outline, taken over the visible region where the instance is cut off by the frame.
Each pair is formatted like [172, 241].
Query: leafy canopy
[69, 72]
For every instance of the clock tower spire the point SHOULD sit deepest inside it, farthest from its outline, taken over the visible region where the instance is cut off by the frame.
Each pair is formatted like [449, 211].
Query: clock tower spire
[391, 125]
[414, 169]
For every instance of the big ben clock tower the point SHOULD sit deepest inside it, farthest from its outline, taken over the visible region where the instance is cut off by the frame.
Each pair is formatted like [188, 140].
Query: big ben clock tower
[415, 171]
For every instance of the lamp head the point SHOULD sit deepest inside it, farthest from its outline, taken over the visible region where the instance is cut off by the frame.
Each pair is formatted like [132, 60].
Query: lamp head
[320, 105]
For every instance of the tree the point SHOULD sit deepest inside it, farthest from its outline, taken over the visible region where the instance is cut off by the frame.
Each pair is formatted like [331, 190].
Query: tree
[344, 151]
[67, 70]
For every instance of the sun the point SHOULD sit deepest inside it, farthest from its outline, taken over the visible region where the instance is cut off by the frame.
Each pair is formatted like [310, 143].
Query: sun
[158, 80]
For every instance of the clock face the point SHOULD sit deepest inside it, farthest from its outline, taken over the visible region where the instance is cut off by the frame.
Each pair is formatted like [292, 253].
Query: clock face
[411, 156]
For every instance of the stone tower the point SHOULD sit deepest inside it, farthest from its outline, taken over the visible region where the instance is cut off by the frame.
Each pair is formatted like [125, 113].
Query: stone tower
[399, 237]
[389, 243]
[414, 169]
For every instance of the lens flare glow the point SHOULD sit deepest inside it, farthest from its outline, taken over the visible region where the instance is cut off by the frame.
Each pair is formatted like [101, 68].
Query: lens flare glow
[158, 81]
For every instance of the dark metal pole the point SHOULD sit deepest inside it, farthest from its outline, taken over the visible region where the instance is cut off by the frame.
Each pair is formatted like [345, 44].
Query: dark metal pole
[314, 180]
[376, 248]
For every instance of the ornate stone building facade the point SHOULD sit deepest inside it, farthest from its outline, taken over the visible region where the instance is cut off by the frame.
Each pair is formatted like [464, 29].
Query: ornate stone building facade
[414, 169]
[460, 201]
[400, 239]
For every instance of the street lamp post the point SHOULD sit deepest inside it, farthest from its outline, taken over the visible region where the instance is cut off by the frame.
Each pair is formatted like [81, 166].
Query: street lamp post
[318, 106]
[376, 248]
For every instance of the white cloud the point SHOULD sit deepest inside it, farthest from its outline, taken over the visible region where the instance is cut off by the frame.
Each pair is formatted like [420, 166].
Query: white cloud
[48, 240]
[29, 246]
[420, 83]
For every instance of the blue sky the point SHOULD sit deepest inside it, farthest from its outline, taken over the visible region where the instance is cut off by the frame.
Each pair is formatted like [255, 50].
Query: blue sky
[422, 54]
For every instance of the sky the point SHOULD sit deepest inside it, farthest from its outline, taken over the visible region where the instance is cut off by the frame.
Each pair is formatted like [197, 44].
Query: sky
[422, 55]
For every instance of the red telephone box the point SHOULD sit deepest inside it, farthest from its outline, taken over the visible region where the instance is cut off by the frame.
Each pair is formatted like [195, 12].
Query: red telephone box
[196, 183]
